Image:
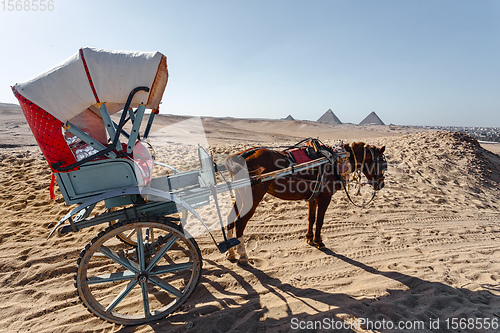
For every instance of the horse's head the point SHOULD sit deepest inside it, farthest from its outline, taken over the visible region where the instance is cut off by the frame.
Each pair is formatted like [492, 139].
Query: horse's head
[370, 160]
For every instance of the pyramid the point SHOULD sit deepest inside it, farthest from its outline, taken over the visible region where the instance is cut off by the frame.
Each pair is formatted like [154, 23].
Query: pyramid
[372, 119]
[289, 117]
[329, 118]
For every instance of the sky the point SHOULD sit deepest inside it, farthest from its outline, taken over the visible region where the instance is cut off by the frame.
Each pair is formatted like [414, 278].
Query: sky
[434, 62]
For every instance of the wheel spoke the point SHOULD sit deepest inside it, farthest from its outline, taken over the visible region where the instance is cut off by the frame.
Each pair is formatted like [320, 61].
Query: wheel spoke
[131, 233]
[148, 280]
[158, 270]
[152, 236]
[145, 299]
[118, 258]
[122, 295]
[161, 252]
[112, 277]
[165, 286]
[140, 250]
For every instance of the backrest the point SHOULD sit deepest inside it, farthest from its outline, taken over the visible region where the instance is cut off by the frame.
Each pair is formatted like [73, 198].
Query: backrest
[207, 171]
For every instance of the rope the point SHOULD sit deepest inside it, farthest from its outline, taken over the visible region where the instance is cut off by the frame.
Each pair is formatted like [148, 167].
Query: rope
[355, 166]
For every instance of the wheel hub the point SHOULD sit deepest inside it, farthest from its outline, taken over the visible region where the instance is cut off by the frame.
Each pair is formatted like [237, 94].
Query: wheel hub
[142, 277]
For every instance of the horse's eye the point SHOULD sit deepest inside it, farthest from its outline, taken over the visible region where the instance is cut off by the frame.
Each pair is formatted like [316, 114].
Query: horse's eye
[383, 163]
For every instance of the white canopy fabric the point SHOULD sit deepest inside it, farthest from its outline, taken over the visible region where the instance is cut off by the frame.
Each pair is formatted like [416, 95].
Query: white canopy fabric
[65, 91]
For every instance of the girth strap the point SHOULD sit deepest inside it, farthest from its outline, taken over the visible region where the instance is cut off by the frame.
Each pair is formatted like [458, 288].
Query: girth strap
[319, 183]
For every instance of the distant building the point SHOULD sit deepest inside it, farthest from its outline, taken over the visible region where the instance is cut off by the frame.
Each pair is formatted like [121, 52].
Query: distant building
[289, 118]
[372, 119]
[329, 118]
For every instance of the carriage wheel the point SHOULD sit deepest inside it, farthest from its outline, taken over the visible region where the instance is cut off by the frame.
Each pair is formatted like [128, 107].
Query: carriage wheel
[133, 285]
[359, 190]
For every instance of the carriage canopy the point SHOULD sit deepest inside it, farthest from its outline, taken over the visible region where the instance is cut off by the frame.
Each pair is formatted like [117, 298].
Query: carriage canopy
[96, 75]
[72, 92]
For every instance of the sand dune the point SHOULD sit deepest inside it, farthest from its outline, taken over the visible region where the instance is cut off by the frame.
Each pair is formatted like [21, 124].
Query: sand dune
[425, 251]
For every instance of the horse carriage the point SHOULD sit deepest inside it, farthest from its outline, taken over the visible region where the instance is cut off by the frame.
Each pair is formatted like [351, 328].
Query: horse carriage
[144, 264]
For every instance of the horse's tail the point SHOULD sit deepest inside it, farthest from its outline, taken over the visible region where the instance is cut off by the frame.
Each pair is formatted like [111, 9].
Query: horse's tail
[235, 163]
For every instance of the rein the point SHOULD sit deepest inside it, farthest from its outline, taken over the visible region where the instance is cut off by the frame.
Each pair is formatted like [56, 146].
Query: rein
[344, 183]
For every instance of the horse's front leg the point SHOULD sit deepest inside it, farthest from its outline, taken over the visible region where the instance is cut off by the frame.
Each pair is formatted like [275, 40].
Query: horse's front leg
[239, 249]
[323, 203]
[312, 218]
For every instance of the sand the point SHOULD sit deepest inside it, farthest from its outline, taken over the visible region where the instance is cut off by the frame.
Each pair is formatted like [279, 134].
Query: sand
[426, 251]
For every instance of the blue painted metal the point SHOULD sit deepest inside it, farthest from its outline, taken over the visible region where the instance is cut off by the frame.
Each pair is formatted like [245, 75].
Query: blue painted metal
[109, 124]
[87, 138]
[149, 124]
[167, 166]
[134, 133]
[94, 178]
[112, 277]
[180, 203]
[134, 212]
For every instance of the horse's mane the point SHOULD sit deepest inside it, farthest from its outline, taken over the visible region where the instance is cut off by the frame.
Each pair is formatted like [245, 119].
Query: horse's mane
[356, 145]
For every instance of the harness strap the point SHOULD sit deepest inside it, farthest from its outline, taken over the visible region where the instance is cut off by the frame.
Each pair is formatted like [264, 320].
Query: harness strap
[344, 183]
[320, 183]
[52, 186]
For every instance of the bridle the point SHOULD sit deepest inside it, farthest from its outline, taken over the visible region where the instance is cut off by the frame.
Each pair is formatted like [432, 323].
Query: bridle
[378, 162]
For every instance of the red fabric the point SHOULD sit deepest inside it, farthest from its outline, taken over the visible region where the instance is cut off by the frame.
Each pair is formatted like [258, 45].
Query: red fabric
[47, 132]
[300, 155]
[52, 186]
[88, 76]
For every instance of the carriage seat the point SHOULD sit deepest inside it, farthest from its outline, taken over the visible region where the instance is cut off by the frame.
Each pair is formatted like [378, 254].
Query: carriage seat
[302, 155]
[104, 174]
[91, 178]
[313, 150]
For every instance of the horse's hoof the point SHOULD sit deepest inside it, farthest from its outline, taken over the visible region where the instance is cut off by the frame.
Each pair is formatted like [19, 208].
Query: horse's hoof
[320, 245]
[310, 241]
[231, 257]
[243, 262]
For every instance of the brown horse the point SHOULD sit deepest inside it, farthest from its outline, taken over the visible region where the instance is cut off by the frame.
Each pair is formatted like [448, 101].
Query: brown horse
[298, 186]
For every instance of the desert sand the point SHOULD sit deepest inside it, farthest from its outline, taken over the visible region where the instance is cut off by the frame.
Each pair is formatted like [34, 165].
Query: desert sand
[427, 250]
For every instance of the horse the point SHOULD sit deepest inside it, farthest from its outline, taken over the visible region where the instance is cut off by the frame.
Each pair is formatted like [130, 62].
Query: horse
[302, 185]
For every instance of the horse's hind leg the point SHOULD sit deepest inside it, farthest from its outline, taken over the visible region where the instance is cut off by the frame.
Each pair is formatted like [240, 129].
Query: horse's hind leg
[312, 218]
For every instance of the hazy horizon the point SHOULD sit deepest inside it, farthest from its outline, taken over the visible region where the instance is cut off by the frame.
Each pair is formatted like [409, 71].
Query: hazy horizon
[296, 119]
[416, 63]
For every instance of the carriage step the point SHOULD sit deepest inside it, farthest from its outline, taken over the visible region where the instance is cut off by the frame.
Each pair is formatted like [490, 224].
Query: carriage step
[226, 245]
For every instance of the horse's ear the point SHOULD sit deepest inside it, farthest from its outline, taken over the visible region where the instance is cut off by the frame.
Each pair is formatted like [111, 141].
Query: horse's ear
[382, 150]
